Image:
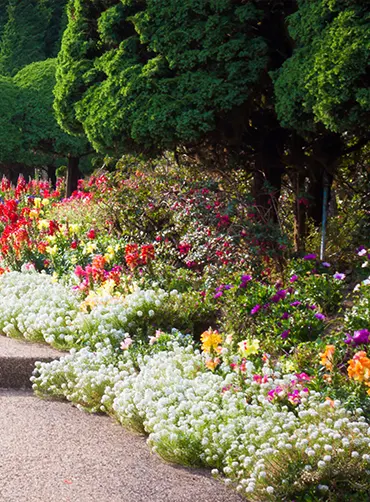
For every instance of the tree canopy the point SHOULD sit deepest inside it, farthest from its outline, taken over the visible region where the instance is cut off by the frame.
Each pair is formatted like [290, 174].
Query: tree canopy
[327, 79]
[30, 31]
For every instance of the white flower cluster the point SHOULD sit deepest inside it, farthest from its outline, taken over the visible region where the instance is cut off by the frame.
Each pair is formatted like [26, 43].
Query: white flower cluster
[83, 377]
[264, 449]
[120, 318]
[35, 307]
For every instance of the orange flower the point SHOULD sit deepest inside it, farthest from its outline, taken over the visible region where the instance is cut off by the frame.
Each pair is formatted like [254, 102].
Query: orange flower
[327, 357]
[212, 363]
[359, 368]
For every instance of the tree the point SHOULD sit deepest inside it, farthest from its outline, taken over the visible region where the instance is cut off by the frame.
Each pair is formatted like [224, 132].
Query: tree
[31, 31]
[274, 85]
[34, 138]
[323, 89]
[149, 76]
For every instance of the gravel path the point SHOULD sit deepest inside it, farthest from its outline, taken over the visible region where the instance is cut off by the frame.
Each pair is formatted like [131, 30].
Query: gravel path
[52, 452]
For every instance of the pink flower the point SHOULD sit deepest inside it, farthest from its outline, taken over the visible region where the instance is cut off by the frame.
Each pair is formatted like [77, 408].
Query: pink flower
[126, 343]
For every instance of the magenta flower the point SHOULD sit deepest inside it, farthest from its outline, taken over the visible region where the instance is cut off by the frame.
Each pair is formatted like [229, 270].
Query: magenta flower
[311, 256]
[293, 278]
[339, 276]
[320, 316]
[295, 304]
[326, 264]
[217, 295]
[286, 315]
[285, 334]
[255, 309]
[359, 337]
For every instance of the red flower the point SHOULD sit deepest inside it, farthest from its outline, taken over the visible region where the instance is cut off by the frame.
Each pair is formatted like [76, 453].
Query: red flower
[74, 244]
[91, 234]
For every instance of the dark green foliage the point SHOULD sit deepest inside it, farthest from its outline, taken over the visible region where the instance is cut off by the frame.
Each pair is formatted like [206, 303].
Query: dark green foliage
[10, 116]
[29, 132]
[327, 79]
[156, 73]
[31, 32]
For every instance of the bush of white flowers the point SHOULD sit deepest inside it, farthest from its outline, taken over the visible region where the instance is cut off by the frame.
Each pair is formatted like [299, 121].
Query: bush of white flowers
[263, 448]
[83, 376]
[35, 307]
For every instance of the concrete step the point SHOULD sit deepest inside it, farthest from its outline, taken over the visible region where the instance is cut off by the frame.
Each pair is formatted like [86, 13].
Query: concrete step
[17, 361]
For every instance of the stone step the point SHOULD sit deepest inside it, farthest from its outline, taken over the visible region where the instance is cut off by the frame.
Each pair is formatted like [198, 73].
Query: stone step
[17, 361]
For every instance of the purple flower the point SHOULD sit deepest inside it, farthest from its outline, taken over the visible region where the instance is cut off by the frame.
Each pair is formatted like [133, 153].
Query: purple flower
[339, 276]
[217, 295]
[360, 337]
[293, 278]
[286, 315]
[255, 309]
[285, 334]
[320, 316]
[227, 286]
[280, 295]
[326, 264]
[311, 307]
[311, 256]
[244, 280]
[295, 304]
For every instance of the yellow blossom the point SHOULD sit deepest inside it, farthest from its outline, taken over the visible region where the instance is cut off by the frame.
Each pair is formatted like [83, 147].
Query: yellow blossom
[210, 340]
[45, 202]
[249, 347]
[33, 214]
[43, 224]
[37, 202]
[89, 248]
[52, 250]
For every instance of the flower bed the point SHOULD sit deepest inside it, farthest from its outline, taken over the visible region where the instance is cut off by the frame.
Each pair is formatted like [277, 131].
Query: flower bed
[221, 360]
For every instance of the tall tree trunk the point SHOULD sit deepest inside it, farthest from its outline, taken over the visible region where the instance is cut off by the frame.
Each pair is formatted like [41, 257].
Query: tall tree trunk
[269, 169]
[73, 175]
[321, 165]
[52, 174]
[300, 211]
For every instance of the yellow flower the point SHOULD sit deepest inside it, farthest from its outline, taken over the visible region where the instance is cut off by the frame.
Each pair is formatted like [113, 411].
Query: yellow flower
[210, 340]
[45, 202]
[249, 347]
[50, 238]
[110, 254]
[43, 224]
[54, 277]
[37, 202]
[52, 250]
[74, 227]
[89, 248]
[33, 214]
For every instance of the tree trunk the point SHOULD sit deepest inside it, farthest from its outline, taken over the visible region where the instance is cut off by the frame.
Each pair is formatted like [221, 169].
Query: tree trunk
[73, 175]
[322, 163]
[269, 169]
[52, 175]
[300, 211]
